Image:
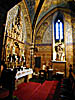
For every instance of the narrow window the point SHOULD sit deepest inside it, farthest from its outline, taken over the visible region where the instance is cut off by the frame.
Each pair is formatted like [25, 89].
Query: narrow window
[59, 33]
[58, 39]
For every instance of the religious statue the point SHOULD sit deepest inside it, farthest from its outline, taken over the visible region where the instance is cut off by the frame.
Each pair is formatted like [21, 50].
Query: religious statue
[59, 51]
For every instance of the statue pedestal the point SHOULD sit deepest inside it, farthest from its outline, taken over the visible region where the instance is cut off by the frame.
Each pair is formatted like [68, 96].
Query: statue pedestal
[59, 66]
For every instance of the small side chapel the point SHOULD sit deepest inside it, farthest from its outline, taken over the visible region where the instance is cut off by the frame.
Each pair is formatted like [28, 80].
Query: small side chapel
[37, 49]
[48, 37]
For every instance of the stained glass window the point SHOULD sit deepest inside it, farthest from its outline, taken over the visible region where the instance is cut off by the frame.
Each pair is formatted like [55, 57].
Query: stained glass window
[58, 30]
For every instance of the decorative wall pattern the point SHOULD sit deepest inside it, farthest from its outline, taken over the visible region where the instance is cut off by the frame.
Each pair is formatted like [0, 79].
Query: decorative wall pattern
[15, 27]
[49, 5]
[73, 30]
[25, 26]
[73, 35]
[47, 37]
[44, 41]
[27, 22]
[17, 31]
[46, 7]
[68, 27]
[45, 53]
[68, 40]
[32, 7]
[44, 32]
[39, 34]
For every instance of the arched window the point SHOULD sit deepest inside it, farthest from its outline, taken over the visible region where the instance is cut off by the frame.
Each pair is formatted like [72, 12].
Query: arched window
[58, 38]
[59, 30]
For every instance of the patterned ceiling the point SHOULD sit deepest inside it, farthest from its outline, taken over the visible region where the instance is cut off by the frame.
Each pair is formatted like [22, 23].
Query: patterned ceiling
[32, 7]
[46, 7]
[29, 8]
[49, 5]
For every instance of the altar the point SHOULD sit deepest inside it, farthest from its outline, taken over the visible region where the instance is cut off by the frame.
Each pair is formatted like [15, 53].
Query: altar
[18, 75]
[59, 67]
[23, 75]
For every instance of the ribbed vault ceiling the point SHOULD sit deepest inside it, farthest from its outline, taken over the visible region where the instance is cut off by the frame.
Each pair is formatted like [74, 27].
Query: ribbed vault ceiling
[32, 6]
[46, 7]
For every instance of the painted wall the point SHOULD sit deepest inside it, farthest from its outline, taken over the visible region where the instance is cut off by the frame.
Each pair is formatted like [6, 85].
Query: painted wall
[68, 41]
[44, 35]
[73, 36]
[45, 40]
[17, 30]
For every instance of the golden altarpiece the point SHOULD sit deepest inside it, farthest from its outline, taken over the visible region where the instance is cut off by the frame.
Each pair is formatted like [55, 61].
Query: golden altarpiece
[15, 34]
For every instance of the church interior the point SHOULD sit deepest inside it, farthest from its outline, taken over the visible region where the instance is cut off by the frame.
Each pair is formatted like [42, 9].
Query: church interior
[37, 50]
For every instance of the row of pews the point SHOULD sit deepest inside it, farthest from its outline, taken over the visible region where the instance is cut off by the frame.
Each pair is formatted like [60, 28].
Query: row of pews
[67, 89]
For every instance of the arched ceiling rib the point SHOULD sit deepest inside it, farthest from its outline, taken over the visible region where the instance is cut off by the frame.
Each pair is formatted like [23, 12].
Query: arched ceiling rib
[47, 6]
[32, 7]
[46, 10]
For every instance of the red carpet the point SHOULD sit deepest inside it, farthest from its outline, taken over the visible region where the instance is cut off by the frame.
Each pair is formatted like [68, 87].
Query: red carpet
[52, 91]
[27, 90]
[44, 91]
[36, 91]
